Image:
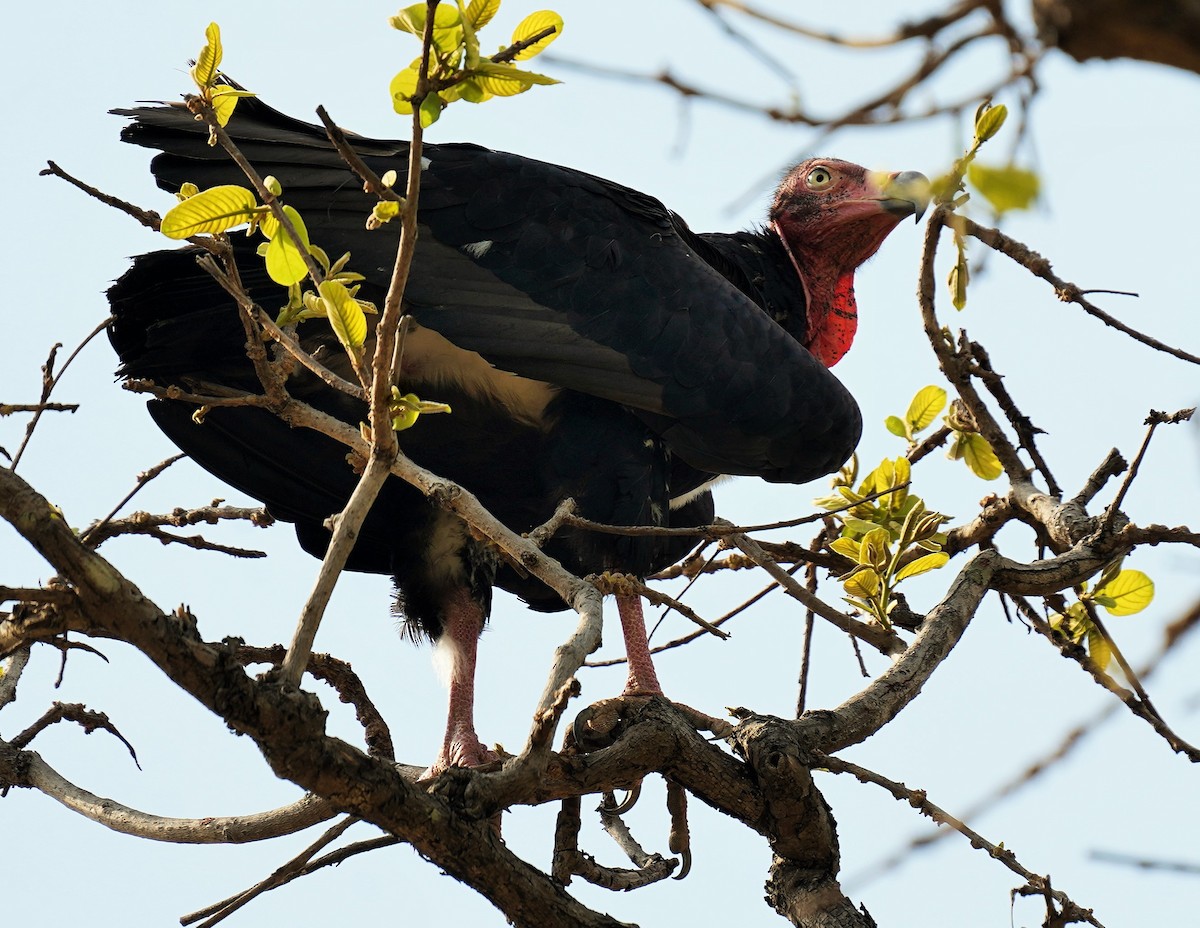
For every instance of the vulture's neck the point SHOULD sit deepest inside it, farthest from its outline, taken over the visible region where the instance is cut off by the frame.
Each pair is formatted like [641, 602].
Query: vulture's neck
[829, 301]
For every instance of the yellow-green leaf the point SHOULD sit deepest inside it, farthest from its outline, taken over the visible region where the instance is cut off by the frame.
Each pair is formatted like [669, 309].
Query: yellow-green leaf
[480, 12]
[913, 520]
[504, 80]
[402, 88]
[383, 211]
[345, 315]
[988, 121]
[408, 408]
[431, 109]
[321, 258]
[859, 526]
[285, 258]
[980, 457]
[859, 605]
[1099, 648]
[862, 583]
[847, 547]
[960, 276]
[449, 44]
[925, 407]
[874, 551]
[922, 565]
[217, 209]
[896, 426]
[1131, 591]
[1005, 188]
[412, 19]
[470, 91]
[205, 70]
[405, 410]
[530, 26]
[223, 101]
[944, 187]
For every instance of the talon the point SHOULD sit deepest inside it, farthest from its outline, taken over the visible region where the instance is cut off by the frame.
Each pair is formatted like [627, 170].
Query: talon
[685, 857]
[597, 725]
[620, 808]
[579, 728]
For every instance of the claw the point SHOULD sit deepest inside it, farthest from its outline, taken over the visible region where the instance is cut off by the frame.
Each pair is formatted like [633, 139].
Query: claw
[579, 727]
[620, 808]
[685, 856]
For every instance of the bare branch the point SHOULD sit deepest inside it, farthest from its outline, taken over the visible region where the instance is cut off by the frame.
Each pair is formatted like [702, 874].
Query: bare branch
[346, 683]
[1066, 291]
[148, 218]
[1152, 422]
[27, 769]
[88, 719]
[285, 874]
[10, 409]
[925, 29]
[877, 704]
[918, 800]
[10, 675]
[1139, 707]
[883, 640]
[142, 479]
[50, 380]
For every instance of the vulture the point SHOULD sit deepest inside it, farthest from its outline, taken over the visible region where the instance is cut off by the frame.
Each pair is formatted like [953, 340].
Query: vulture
[589, 344]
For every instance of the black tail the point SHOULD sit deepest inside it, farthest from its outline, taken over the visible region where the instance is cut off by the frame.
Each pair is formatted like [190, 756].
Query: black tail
[296, 152]
[175, 325]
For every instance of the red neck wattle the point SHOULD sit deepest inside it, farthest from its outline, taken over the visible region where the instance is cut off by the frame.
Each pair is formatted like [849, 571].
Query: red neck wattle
[832, 316]
[832, 321]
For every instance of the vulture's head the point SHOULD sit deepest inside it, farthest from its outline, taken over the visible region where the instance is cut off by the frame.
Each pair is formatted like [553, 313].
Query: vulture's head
[831, 216]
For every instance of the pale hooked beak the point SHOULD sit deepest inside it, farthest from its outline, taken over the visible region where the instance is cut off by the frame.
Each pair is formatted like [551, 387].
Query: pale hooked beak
[905, 193]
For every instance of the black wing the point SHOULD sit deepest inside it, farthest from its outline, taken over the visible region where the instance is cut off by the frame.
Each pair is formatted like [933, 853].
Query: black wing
[560, 276]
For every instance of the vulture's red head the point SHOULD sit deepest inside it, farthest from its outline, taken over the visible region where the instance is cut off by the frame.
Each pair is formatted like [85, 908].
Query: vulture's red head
[831, 216]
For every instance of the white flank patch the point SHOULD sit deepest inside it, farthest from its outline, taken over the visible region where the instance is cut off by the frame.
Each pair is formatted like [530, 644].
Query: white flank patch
[477, 249]
[445, 655]
[446, 542]
[425, 162]
[679, 501]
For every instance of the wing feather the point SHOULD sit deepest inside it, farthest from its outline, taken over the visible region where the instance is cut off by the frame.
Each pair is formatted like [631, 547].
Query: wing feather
[556, 275]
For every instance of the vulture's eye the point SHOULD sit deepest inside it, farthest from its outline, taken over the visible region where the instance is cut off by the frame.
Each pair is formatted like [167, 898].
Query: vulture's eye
[819, 178]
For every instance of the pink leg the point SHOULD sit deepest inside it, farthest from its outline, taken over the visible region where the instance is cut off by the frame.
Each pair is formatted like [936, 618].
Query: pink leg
[642, 681]
[461, 747]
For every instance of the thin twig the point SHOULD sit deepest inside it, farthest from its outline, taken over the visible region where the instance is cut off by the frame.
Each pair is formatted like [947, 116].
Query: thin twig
[1137, 706]
[142, 479]
[918, 800]
[88, 719]
[285, 874]
[924, 29]
[50, 380]
[147, 217]
[1152, 422]
[883, 640]
[385, 365]
[9, 409]
[1067, 292]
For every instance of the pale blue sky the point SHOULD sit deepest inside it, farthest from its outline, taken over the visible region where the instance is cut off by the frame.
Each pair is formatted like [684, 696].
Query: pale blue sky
[1116, 145]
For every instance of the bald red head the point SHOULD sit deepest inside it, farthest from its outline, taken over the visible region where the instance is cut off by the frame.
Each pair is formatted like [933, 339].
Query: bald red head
[831, 217]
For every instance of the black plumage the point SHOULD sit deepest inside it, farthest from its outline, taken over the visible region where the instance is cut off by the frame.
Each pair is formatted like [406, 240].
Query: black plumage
[589, 344]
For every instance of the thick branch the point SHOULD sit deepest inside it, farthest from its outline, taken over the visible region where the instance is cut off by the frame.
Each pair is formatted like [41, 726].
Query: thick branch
[27, 769]
[288, 726]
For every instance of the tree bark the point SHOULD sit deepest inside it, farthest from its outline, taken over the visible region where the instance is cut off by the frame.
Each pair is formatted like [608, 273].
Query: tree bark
[1162, 31]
